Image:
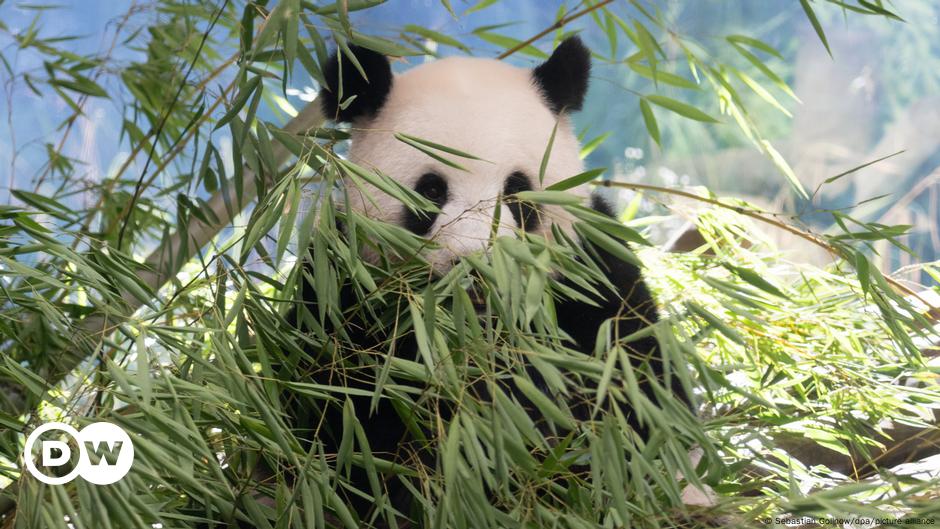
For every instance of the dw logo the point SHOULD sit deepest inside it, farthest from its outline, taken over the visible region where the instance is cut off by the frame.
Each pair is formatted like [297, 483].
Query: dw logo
[105, 453]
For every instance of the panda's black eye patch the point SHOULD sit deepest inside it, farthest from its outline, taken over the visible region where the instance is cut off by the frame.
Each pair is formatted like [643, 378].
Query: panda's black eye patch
[525, 214]
[433, 187]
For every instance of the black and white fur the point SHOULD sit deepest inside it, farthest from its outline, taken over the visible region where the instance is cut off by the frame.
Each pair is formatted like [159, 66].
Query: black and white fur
[504, 115]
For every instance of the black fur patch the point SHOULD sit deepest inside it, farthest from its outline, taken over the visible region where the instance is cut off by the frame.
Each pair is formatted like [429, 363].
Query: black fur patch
[632, 307]
[526, 214]
[600, 205]
[370, 93]
[433, 187]
[563, 78]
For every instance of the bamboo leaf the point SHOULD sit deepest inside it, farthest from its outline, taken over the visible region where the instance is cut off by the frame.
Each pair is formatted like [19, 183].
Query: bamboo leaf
[811, 15]
[683, 109]
[754, 43]
[592, 145]
[784, 167]
[649, 119]
[547, 154]
[423, 146]
[436, 36]
[543, 403]
[509, 42]
[576, 180]
[245, 92]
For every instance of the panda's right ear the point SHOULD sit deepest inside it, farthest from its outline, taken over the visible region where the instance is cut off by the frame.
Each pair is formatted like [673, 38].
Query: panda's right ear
[370, 91]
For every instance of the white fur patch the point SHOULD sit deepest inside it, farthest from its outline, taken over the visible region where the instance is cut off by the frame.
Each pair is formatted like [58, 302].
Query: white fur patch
[692, 495]
[482, 107]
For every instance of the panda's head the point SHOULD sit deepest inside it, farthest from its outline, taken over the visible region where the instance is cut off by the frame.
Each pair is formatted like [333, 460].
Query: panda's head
[500, 113]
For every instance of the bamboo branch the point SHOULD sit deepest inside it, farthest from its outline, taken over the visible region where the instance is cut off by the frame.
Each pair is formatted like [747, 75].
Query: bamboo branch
[933, 312]
[560, 23]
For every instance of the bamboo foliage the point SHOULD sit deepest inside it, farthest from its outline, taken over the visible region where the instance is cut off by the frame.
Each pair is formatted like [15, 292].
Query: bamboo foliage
[195, 350]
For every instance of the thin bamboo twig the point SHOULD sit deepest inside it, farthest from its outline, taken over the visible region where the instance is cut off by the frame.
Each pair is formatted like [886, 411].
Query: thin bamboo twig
[129, 209]
[140, 146]
[560, 23]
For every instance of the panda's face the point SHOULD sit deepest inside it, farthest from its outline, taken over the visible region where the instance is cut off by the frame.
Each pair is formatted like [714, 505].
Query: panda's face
[494, 111]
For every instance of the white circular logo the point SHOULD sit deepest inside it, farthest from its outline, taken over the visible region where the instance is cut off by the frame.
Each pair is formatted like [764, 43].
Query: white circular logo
[105, 450]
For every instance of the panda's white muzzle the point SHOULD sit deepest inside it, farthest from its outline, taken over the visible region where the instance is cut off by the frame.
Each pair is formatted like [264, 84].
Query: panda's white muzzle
[466, 232]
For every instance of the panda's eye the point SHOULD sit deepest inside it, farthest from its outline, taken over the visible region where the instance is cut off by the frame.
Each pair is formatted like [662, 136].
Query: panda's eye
[524, 213]
[433, 187]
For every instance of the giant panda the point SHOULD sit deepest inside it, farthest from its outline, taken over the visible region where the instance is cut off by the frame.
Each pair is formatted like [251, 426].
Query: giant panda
[506, 116]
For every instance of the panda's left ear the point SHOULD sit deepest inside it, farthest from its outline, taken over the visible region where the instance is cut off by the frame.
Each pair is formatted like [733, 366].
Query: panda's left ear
[563, 78]
[370, 91]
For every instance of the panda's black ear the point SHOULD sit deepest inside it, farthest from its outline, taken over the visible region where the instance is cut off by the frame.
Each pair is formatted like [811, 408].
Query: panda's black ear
[563, 78]
[370, 91]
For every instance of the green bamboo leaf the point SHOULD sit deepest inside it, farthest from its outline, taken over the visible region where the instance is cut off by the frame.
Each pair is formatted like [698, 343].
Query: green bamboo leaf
[43, 203]
[759, 64]
[784, 167]
[610, 29]
[754, 43]
[662, 76]
[879, 9]
[648, 47]
[436, 36]
[345, 451]
[384, 46]
[286, 225]
[438, 146]
[272, 26]
[606, 242]
[451, 460]
[479, 6]
[762, 92]
[755, 279]
[423, 146]
[545, 405]
[553, 197]
[310, 65]
[80, 84]
[715, 322]
[342, 9]
[143, 366]
[607, 224]
[421, 335]
[863, 271]
[547, 154]
[683, 109]
[332, 9]
[509, 42]
[592, 145]
[832, 179]
[576, 180]
[389, 186]
[649, 119]
[449, 8]
[369, 463]
[291, 17]
[874, 233]
[246, 91]
[811, 15]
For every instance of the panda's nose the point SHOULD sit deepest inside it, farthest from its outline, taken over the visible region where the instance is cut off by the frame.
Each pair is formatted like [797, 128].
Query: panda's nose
[468, 234]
